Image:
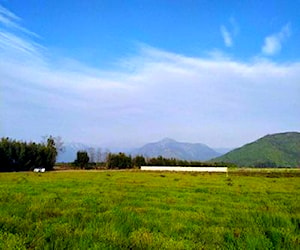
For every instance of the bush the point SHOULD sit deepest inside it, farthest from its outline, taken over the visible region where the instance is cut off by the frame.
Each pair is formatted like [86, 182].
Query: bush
[118, 161]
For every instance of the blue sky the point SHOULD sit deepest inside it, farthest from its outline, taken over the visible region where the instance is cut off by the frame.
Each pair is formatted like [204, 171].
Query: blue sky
[123, 73]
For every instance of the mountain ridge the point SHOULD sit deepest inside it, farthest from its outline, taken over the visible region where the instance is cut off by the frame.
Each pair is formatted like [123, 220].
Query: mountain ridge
[272, 150]
[170, 148]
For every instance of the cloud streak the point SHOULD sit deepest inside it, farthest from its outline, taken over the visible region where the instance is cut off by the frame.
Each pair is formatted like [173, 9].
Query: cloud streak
[153, 94]
[226, 36]
[273, 43]
[10, 20]
[229, 34]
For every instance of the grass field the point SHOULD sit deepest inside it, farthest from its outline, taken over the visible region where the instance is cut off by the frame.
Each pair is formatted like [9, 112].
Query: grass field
[143, 210]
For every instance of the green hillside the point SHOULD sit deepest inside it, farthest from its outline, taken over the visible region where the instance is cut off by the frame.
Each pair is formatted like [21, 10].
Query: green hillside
[276, 150]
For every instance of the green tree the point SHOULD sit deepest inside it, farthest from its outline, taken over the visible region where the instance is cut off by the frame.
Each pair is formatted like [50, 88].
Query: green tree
[51, 153]
[22, 156]
[139, 161]
[118, 161]
[82, 159]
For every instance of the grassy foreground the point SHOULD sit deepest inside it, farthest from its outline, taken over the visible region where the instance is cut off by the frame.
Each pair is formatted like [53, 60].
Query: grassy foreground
[147, 210]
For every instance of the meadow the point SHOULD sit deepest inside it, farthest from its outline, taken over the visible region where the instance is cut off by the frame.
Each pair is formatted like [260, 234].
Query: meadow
[149, 210]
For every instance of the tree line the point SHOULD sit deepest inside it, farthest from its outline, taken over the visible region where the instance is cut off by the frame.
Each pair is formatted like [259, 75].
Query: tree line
[124, 161]
[23, 156]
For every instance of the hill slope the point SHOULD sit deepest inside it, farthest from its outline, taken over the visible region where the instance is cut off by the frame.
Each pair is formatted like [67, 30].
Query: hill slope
[277, 150]
[170, 148]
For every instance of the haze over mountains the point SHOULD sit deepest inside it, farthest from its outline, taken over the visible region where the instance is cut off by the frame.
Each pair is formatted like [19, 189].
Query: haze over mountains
[276, 150]
[167, 148]
[170, 148]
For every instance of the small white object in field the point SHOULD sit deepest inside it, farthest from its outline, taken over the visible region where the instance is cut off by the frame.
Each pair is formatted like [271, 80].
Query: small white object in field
[39, 170]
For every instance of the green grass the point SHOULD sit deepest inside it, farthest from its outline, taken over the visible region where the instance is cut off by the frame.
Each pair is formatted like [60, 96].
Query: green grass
[148, 210]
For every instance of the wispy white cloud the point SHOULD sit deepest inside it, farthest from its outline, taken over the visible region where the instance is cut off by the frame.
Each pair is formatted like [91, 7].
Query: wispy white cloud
[8, 15]
[226, 36]
[273, 43]
[229, 33]
[10, 20]
[19, 46]
[17, 42]
[155, 93]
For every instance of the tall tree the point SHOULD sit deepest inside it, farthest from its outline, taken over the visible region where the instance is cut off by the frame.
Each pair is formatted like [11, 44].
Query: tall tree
[82, 159]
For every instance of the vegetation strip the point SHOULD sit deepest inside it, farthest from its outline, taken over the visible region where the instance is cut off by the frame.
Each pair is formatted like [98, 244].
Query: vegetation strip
[149, 210]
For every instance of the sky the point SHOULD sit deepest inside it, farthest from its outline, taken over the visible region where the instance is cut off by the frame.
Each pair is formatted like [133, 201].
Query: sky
[124, 73]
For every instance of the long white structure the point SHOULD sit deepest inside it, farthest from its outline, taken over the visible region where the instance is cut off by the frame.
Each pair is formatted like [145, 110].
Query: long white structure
[185, 169]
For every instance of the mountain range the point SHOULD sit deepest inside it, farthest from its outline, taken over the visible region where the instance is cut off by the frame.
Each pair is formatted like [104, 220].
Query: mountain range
[276, 150]
[170, 148]
[167, 148]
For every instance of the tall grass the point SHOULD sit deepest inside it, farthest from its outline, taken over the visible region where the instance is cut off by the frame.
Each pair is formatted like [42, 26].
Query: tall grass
[138, 210]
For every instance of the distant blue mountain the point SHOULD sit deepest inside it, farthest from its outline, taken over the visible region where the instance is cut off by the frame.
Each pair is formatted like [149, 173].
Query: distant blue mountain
[170, 148]
[167, 148]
